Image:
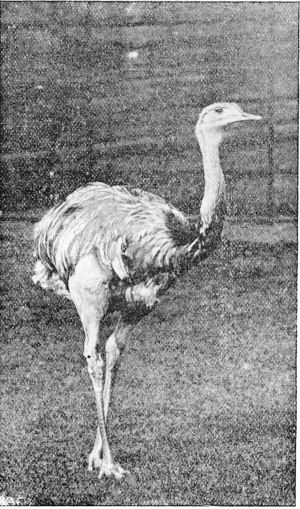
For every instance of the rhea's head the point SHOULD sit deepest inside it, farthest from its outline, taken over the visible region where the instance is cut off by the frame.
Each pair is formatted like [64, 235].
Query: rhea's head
[218, 115]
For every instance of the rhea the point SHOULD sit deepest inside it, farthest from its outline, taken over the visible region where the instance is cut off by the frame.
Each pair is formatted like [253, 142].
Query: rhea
[112, 250]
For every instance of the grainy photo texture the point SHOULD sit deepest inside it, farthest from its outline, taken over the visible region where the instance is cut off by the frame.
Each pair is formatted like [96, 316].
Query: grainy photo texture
[148, 236]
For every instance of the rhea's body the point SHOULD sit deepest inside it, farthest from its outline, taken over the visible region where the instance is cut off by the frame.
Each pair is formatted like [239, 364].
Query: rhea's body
[140, 241]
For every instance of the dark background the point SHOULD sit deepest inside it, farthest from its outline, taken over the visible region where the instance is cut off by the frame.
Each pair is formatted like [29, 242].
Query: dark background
[111, 91]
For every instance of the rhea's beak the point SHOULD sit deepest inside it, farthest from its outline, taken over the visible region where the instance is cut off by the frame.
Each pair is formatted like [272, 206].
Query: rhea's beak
[238, 116]
[249, 116]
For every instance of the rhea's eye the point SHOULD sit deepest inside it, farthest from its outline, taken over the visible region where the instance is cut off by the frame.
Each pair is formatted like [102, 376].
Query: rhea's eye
[219, 110]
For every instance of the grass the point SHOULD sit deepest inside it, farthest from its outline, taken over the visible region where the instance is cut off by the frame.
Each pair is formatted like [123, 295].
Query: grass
[204, 407]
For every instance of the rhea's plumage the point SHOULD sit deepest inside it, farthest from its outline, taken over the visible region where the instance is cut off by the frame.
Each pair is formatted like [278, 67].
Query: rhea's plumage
[134, 235]
[114, 249]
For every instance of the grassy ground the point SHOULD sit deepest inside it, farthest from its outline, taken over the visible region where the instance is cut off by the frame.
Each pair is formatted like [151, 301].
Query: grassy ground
[204, 407]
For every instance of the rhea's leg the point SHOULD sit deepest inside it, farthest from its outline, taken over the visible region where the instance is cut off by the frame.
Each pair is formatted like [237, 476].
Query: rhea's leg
[107, 465]
[114, 347]
[89, 292]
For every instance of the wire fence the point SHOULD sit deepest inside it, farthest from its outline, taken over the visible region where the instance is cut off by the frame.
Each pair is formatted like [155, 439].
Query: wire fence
[111, 92]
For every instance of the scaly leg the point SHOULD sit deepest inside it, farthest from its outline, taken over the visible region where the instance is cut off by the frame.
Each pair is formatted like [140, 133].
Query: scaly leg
[114, 347]
[107, 465]
[89, 292]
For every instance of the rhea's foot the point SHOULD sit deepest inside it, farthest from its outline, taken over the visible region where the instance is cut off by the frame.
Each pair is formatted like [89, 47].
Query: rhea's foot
[109, 469]
[106, 468]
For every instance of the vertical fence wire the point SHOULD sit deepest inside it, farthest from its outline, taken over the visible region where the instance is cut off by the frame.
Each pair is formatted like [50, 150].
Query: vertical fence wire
[271, 104]
[89, 95]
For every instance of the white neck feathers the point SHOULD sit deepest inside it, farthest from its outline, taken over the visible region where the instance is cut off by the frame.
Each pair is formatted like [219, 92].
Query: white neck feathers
[209, 141]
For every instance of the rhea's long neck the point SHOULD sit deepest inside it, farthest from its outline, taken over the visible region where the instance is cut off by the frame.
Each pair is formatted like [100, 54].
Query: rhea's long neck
[214, 190]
